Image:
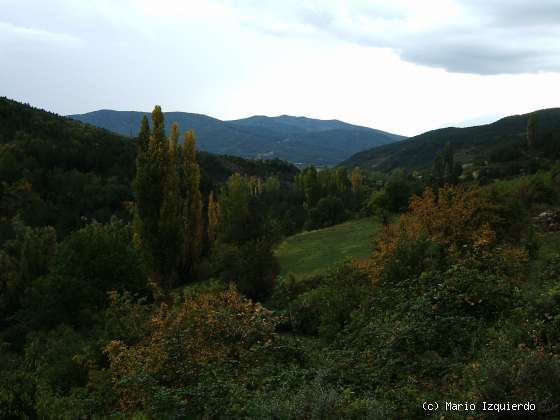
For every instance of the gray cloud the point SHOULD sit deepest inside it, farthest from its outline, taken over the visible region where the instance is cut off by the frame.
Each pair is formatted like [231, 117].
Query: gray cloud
[485, 53]
[518, 13]
[463, 36]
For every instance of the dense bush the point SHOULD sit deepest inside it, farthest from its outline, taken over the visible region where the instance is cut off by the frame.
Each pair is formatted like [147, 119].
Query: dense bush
[322, 304]
[172, 371]
[87, 264]
[251, 266]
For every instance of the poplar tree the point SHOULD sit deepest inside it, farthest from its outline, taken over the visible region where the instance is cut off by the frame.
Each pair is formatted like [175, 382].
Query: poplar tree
[532, 126]
[311, 187]
[168, 219]
[357, 180]
[234, 209]
[438, 171]
[448, 163]
[445, 170]
[143, 137]
[192, 210]
[341, 180]
[327, 182]
[148, 188]
[213, 218]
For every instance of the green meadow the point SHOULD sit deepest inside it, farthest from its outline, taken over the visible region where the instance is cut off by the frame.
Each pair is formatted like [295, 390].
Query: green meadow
[314, 251]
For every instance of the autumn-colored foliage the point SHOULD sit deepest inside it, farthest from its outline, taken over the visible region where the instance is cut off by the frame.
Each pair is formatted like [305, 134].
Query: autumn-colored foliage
[459, 222]
[183, 340]
[455, 217]
[357, 180]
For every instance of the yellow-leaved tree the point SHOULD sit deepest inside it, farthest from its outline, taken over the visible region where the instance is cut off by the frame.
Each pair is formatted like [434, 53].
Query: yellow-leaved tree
[461, 226]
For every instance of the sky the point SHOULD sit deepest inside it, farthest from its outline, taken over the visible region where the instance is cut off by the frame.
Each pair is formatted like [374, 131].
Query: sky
[404, 66]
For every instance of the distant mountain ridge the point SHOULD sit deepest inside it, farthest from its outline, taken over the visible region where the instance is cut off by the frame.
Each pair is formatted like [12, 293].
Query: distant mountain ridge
[300, 140]
[484, 142]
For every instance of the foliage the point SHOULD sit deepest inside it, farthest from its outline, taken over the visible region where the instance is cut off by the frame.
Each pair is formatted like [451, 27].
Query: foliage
[461, 224]
[357, 180]
[29, 256]
[532, 129]
[394, 197]
[458, 300]
[213, 218]
[251, 266]
[168, 220]
[55, 171]
[87, 264]
[234, 217]
[323, 304]
[165, 374]
[329, 211]
[445, 171]
[192, 208]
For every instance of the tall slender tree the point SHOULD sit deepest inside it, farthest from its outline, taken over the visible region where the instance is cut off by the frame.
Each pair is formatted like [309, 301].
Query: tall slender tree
[148, 188]
[532, 127]
[143, 136]
[213, 217]
[192, 210]
[341, 180]
[357, 180]
[234, 210]
[445, 170]
[311, 187]
[168, 218]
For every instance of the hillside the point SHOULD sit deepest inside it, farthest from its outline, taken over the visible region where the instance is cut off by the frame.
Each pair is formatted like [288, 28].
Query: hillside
[181, 313]
[499, 141]
[55, 170]
[296, 139]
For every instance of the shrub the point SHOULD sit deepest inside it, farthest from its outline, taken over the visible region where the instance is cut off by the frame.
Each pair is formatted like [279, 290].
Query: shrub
[88, 263]
[193, 360]
[325, 307]
[251, 266]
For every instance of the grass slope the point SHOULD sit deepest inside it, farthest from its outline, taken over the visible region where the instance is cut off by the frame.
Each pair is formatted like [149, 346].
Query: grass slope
[312, 252]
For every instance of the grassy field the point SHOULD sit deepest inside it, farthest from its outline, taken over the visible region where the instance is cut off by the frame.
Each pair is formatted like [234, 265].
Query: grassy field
[313, 252]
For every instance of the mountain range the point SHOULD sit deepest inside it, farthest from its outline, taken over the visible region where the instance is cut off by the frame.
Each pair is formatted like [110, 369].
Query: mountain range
[299, 140]
[503, 140]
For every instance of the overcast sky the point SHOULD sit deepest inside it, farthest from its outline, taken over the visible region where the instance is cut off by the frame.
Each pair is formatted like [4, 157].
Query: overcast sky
[405, 66]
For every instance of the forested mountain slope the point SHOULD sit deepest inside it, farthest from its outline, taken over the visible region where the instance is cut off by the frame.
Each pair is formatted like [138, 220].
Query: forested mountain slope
[296, 139]
[500, 141]
[55, 170]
